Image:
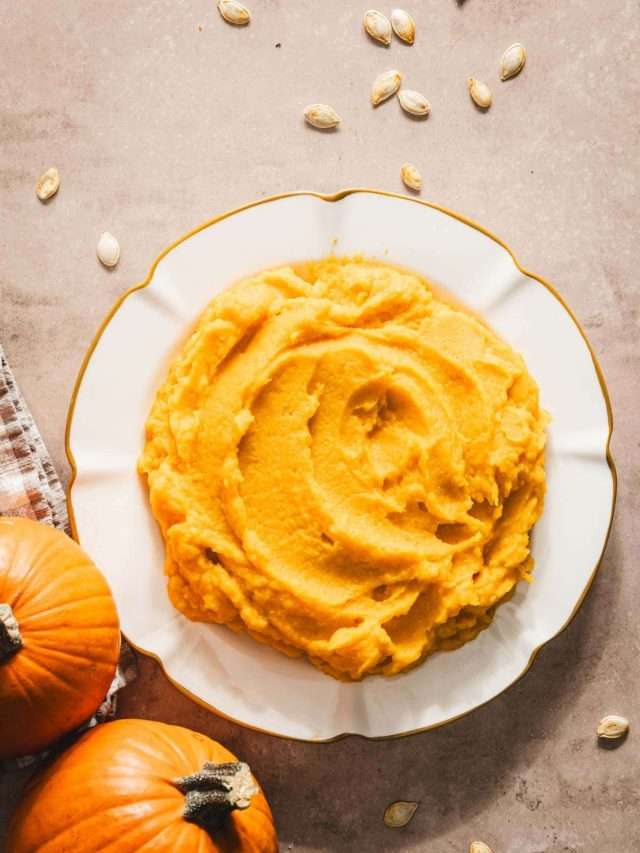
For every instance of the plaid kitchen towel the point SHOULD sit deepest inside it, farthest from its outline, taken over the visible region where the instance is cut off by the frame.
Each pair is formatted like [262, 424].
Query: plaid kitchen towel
[29, 486]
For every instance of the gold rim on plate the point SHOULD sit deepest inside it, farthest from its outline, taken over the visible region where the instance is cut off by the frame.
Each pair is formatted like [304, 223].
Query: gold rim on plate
[333, 197]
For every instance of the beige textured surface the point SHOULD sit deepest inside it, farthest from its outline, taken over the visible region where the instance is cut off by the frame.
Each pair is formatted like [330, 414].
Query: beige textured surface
[156, 125]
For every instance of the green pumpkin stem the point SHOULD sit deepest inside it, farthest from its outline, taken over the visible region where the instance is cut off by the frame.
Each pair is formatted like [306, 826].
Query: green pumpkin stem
[10, 639]
[213, 793]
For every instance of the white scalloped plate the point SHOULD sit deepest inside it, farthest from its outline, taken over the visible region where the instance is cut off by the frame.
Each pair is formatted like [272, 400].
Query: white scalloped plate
[234, 675]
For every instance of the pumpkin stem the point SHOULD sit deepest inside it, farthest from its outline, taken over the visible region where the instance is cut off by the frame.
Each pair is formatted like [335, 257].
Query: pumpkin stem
[10, 639]
[213, 793]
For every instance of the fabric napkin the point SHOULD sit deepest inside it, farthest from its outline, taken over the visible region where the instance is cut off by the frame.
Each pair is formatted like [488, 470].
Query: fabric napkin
[30, 487]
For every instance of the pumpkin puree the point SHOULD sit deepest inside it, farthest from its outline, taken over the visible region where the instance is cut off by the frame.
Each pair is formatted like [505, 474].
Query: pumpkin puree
[344, 465]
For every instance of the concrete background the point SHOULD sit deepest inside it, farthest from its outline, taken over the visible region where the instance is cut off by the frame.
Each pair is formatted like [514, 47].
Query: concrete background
[159, 116]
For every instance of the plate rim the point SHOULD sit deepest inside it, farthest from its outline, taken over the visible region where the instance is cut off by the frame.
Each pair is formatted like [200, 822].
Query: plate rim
[332, 198]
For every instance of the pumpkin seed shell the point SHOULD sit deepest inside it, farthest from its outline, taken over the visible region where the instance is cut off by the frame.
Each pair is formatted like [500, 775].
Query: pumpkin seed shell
[413, 102]
[108, 250]
[399, 814]
[321, 116]
[480, 93]
[234, 12]
[613, 727]
[377, 26]
[48, 184]
[403, 25]
[513, 60]
[385, 85]
[411, 177]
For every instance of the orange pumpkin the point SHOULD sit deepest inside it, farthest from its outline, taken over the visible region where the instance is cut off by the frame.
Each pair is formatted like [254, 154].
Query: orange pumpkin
[59, 636]
[134, 785]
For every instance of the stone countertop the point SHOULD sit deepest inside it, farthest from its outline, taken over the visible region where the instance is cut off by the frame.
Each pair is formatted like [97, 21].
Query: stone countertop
[159, 116]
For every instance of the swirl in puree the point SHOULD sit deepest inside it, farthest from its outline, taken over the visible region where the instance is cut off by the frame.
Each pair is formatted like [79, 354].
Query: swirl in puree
[345, 466]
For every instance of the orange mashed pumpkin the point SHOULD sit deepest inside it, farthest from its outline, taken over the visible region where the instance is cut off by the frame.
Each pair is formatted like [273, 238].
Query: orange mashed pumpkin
[345, 466]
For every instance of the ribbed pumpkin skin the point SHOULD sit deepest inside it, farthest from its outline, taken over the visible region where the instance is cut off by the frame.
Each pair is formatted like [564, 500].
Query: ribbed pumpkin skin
[70, 632]
[112, 792]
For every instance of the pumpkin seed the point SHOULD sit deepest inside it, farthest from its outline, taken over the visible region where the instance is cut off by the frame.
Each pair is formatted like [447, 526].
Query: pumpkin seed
[321, 116]
[48, 184]
[399, 814]
[413, 102]
[513, 60]
[234, 12]
[385, 85]
[480, 93]
[108, 250]
[479, 847]
[411, 177]
[613, 727]
[403, 25]
[377, 26]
